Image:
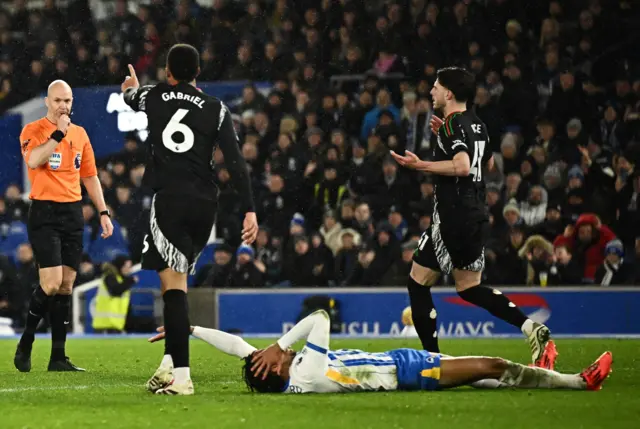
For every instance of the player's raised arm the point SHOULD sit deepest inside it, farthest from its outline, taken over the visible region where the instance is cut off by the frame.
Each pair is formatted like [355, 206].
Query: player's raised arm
[315, 328]
[234, 161]
[134, 95]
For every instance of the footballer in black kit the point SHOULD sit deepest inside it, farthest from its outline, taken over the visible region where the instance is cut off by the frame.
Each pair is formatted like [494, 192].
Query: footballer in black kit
[454, 243]
[185, 128]
[460, 219]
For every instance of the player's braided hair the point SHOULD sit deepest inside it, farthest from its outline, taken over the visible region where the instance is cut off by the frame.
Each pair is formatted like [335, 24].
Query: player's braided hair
[272, 384]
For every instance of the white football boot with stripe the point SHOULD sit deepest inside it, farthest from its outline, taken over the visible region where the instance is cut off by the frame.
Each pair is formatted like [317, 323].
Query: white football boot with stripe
[161, 379]
[538, 339]
[174, 389]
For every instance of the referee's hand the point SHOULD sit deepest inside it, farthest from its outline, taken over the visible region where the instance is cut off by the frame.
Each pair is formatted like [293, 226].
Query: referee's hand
[107, 226]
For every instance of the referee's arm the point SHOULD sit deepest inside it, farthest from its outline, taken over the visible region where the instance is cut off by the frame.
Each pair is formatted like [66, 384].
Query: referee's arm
[36, 154]
[89, 177]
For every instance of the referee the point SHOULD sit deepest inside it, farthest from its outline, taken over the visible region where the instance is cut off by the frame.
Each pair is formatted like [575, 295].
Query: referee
[58, 155]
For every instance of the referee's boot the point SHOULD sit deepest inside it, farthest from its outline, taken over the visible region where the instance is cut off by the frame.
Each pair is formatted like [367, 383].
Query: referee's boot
[63, 366]
[22, 359]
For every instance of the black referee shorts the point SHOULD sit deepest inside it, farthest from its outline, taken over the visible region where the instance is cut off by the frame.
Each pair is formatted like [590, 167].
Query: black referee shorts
[55, 233]
[445, 248]
[179, 228]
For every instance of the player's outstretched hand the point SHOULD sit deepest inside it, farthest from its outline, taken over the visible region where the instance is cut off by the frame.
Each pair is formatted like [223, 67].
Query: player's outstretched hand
[160, 335]
[250, 228]
[435, 124]
[130, 81]
[409, 160]
[107, 226]
[266, 359]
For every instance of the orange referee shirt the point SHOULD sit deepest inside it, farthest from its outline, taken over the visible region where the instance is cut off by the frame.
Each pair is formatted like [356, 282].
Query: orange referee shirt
[58, 179]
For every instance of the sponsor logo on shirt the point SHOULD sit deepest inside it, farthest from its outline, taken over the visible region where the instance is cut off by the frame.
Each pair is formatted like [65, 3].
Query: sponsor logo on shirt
[55, 160]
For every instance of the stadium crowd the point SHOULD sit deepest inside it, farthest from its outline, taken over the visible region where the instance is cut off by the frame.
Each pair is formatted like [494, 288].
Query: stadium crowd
[558, 88]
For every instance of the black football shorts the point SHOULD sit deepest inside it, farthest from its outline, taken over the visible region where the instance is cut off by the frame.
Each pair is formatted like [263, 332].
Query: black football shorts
[55, 233]
[445, 248]
[179, 228]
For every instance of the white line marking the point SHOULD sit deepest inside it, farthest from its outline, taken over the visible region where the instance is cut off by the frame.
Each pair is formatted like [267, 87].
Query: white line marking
[42, 388]
[72, 387]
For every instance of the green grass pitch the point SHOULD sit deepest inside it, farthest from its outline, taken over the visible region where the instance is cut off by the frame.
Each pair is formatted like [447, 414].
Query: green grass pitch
[111, 394]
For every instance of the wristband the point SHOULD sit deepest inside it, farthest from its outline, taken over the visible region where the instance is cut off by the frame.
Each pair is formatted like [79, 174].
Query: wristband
[57, 135]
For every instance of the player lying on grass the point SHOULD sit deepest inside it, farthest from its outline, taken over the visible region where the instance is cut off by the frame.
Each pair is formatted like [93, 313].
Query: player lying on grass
[316, 369]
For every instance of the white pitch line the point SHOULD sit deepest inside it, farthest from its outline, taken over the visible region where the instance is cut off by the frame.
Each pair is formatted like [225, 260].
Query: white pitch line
[81, 387]
[73, 387]
[29, 389]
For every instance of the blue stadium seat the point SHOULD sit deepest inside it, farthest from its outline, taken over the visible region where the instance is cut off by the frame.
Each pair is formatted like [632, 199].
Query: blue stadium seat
[101, 250]
[16, 235]
[205, 258]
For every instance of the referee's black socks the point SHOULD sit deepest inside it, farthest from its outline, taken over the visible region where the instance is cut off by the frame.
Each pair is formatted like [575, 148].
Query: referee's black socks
[38, 306]
[495, 303]
[59, 317]
[423, 313]
[177, 328]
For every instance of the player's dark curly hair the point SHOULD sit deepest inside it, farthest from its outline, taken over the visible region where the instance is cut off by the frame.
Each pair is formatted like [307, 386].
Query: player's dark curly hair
[183, 62]
[459, 81]
[272, 384]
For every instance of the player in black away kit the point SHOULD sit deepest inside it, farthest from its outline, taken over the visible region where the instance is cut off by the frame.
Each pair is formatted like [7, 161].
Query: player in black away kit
[455, 241]
[185, 127]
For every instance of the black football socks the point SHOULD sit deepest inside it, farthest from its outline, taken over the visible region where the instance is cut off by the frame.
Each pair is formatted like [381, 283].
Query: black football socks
[59, 317]
[424, 315]
[38, 306]
[177, 328]
[495, 303]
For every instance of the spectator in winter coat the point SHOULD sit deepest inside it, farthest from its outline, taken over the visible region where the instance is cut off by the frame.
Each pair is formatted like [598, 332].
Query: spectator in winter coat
[565, 270]
[247, 272]
[614, 271]
[513, 270]
[533, 211]
[553, 225]
[217, 274]
[587, 241]
[331, 230]
[347, 257]
[538, 253]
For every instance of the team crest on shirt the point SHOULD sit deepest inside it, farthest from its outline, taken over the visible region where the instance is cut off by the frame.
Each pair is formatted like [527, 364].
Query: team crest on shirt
[55, 160]
[77, 161]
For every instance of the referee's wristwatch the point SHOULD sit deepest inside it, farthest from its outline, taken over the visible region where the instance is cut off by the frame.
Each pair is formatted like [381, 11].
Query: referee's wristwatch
[105, 213]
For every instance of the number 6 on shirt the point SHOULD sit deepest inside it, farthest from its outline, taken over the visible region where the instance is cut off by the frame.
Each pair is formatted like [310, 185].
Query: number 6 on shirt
[175, 126]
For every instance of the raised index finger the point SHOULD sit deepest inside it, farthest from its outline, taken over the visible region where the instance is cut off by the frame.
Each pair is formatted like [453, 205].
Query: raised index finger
[132, 71]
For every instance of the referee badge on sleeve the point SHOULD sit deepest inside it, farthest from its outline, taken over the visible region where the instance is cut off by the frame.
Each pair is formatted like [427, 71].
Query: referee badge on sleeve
[55, 160]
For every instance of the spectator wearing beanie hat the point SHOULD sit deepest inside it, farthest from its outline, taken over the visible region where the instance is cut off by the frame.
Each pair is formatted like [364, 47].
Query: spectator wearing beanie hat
[614, 271]
[246, 272]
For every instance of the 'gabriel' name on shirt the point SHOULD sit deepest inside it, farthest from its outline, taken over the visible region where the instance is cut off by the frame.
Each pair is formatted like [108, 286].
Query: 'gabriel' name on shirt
[180, 96]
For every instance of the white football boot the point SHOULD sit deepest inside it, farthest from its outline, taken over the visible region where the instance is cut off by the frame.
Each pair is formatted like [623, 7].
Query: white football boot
[161, 379]
[173, 388]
